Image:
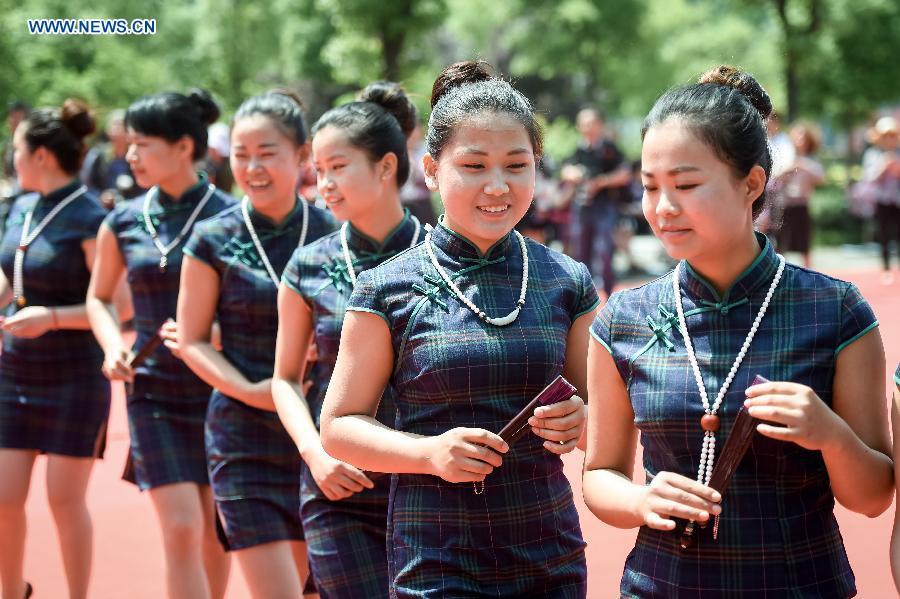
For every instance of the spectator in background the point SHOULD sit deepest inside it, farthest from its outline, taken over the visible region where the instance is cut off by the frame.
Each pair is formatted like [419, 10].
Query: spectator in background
[795, 187]
[600, 175]
[9, 184]
[881, 169]
[216, 164]
[414, 194]
[105, 170]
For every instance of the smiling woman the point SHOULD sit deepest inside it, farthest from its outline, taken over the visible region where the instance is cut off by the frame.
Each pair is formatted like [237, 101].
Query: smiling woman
[461, 332]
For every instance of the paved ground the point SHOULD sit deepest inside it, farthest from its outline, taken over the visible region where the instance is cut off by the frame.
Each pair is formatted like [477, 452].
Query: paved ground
[128, 549]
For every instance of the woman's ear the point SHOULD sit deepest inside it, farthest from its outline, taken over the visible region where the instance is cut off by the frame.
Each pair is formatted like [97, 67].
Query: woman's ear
[303, 152]
[387, 167]
[430, 166]
[754, 184]
[184, 147]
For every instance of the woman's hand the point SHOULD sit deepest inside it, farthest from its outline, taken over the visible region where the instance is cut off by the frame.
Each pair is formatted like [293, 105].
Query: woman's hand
[561, 424]
[465, 454]
[116, 365]
[29, 322]
[335, 478]
[671, 495]
[169, 333]
[797, 414]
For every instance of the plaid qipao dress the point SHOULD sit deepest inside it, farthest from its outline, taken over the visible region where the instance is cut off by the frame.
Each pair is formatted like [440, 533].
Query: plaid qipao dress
[521, 537]
[253, 463]
[53, 396]
[167, 403]
[777, 535]
[345, 539]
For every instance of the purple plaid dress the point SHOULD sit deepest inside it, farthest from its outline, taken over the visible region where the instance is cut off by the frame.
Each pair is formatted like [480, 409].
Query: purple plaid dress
[521, 537]
[167, 404]
[254, 467]
[777, 534]
[53, 396]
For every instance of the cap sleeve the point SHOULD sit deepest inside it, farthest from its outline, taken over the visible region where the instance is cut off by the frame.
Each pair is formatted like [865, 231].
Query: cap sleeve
[90, 220]
[367, 296]
[588, 298]
[293, 273]
[857, 317]
[199, 247]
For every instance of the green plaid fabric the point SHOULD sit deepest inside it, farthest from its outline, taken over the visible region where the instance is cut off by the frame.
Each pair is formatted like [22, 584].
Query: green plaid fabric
[777, 534]
[345, 539]
[53, 397]
[167, 404]
[253, 464]
[522, 536]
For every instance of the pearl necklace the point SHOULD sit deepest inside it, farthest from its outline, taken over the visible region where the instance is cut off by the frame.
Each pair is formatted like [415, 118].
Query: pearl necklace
[710, 421]
[165, 249]
[345, 249]
[497, 322]
[245, 211]
[26, 239]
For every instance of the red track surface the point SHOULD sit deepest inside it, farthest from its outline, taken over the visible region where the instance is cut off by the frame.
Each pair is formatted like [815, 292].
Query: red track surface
[128, 558]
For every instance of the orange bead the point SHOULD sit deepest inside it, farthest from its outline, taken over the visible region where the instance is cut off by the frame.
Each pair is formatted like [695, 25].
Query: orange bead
[710, 422]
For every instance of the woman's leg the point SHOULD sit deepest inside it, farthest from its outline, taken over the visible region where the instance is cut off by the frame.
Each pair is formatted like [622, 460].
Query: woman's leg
[16, 466]
[179, 507]
[67, 481]
[215, 560]
[271, 570]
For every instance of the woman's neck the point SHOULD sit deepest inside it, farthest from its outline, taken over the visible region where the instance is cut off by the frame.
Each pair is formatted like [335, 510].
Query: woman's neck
[51, 181]
[722, 268]
[175, 185]
[378, 224]
[277, 211]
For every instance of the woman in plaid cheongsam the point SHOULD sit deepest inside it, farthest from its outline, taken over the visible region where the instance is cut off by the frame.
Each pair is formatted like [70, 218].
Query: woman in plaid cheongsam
[142, 239]
[53, 398]
[469, 515]
[674, 360]
[231, 274]
[360, 155]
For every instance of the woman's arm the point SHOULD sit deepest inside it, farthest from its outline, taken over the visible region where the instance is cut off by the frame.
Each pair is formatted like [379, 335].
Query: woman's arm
[611, 439]
[852, 436]
[198, 294]
[351, 433]
[295, 326]
[107, 274]
[895, 535]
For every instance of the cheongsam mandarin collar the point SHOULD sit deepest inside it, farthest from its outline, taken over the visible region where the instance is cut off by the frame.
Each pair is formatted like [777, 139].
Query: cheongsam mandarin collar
[58, 194]
[758, 274]
[190, 197]
[264, 223]
[458, 247]
[396, 241]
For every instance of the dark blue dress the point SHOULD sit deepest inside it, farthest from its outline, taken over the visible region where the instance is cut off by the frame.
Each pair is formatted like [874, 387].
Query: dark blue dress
[253, 463]
[345, 539]
[167, 403]
[777, 534]
[521, 537]
[53, 396]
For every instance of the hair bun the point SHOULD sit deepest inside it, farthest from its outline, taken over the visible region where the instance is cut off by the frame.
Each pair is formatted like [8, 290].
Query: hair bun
[77, 118]
[393, 99]
[460, 73]
[743, 82]
[206, 105]
[290, 95]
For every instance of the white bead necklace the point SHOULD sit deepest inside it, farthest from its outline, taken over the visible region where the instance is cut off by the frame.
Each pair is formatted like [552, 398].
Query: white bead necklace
[245, 211]
[345, 249]
[26, 239]
[165, 249]
[497, 322]
[710, 421]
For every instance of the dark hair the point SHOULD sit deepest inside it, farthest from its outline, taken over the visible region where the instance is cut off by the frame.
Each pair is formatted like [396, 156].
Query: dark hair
[379, 121]
[466, 88]
[18, 106]
[171, 116]
[727, 109]
[62, 132]
[283, 107]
